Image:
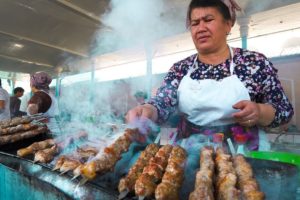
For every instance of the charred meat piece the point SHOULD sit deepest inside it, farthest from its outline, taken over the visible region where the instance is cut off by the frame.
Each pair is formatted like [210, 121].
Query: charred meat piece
[145, 186]
[69, 164]
[152, 174]
[46, 155]
[15, 121]
[166, 191]
[246, 182]
[59, 162]
[17, 128]
[204, 178]
[127, 183]
[108, 159]
[7, 139]
[173, 176]
[226, 177]
[87, 152]
[36, 146]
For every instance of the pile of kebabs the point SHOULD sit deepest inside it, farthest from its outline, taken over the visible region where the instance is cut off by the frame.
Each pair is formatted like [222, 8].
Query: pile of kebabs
[20, 128]
[223, 177]
[86, 160]
[158, 172]
[89, 162]
[45, 151]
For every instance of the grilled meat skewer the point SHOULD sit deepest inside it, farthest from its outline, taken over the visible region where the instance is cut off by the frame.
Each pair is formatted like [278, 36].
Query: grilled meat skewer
[46, 155]
[106, 161]
[17, 128]
[59, 162]
[69, 164]
[204, 178]
[15, 121]
[226, 177]
[246, 182]
[173, 177]
[36, 146]
[146, 184]
[6, 139]
[127, 183]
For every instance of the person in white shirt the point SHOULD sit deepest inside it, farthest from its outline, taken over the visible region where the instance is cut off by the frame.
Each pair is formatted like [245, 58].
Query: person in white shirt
[4, 104]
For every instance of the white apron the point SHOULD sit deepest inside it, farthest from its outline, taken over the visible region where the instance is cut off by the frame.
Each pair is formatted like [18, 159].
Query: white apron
[209, 102]
[53, 110]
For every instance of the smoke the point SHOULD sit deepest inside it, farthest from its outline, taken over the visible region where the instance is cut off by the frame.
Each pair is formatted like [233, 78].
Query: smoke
[94, 106]
[137, 22]
[252, 7]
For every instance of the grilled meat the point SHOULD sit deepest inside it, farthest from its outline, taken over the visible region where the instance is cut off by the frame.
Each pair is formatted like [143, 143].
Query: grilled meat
[204, 178]
[35, 147]
[46, 155]
[17, 128]
[173, 176]
[106, 161]
[246, 182]
[6, 139]
[127, 183]
[226, 178]
[152, 174]
[15, 121]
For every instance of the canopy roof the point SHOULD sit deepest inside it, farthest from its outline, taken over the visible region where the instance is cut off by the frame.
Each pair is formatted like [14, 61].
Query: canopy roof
[43, 35]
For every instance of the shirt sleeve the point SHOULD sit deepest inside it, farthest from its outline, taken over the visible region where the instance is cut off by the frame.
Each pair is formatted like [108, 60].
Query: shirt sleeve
[273, 94]
[166, 100]
[2, 96]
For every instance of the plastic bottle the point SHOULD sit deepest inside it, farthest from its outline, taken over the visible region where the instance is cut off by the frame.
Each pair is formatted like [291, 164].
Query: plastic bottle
[241, 140]
[218, 140]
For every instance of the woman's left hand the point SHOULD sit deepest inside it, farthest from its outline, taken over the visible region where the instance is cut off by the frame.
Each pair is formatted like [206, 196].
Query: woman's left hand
[248, 114]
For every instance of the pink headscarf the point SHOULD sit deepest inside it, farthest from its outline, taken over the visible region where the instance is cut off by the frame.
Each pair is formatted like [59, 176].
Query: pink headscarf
[40, 80]
[233, 7]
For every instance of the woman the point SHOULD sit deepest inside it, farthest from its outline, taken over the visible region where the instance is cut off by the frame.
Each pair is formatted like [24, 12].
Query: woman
[219, 89]
[42, 100]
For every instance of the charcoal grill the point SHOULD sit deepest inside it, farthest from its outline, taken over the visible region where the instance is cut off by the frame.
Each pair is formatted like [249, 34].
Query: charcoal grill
[277, 180]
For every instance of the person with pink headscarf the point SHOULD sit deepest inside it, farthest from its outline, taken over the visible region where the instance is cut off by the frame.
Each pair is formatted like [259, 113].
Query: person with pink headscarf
[42, 100]
[220, 88]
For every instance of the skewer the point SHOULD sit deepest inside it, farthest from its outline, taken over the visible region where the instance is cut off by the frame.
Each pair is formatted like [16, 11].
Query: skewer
[82, 181]
[157, 139]
[173, 138]
[63, 172]
[141, 197]
[231, 148]
[123, 194]
[74, 177]
[183, 143]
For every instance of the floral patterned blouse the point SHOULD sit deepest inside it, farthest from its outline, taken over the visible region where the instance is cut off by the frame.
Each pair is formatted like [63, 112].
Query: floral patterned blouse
[254, 70]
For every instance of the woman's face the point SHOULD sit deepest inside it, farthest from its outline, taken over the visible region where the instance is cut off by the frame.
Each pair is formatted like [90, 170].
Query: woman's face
[209, 29]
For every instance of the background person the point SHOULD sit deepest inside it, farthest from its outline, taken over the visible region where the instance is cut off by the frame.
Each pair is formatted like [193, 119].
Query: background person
[15, 103]
[4, 104]
[219, 89]
[42, 100]
[140, 97]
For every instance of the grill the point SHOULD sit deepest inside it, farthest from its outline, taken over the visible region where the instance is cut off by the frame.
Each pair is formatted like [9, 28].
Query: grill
[277, 180]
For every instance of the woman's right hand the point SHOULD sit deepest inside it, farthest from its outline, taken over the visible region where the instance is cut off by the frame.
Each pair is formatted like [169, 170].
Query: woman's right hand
[142, 111]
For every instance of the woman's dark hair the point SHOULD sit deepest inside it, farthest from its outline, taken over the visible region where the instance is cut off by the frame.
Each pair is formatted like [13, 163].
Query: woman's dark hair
[18, 89]
[141, 94]
[218, 4]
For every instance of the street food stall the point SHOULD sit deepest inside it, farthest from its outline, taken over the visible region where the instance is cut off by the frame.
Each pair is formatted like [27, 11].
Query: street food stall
[87, 151]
